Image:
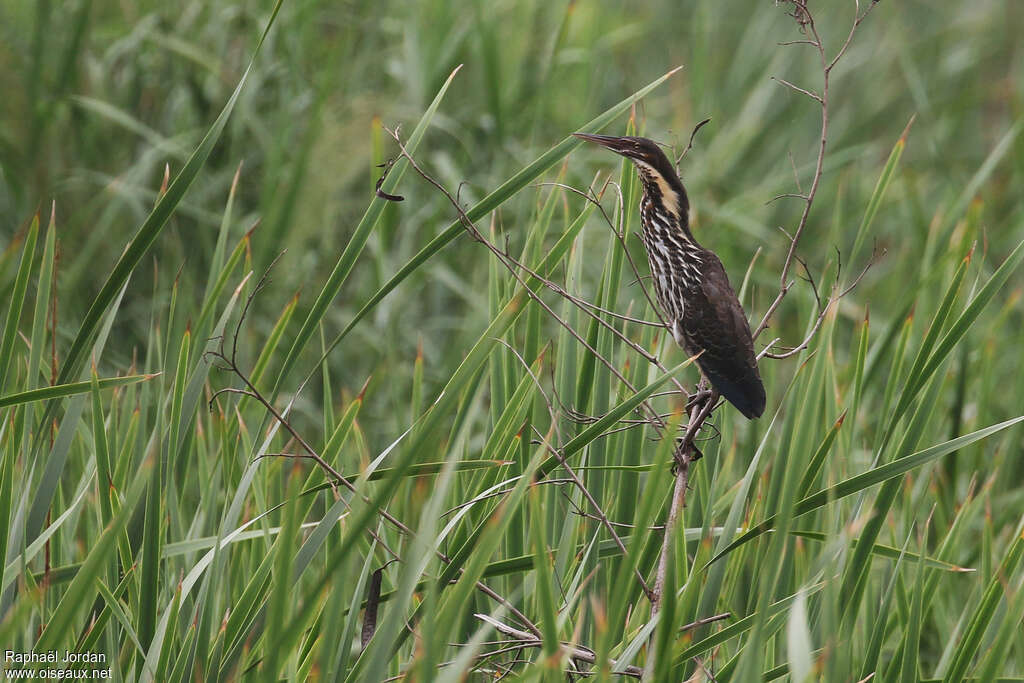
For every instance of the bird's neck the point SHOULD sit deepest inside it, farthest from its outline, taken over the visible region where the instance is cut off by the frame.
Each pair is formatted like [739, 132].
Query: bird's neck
[666, 197]
[669, 219]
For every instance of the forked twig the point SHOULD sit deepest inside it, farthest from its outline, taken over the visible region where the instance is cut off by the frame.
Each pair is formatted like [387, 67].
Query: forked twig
[805, 21]
[334, 476]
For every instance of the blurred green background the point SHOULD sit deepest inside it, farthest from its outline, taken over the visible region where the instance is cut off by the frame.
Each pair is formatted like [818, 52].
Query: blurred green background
[99, 98]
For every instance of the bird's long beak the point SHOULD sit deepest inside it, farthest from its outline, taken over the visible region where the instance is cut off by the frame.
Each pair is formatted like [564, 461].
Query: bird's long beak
[615, 144]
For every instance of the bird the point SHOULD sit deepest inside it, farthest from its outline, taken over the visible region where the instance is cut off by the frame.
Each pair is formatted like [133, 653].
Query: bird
[699, 305]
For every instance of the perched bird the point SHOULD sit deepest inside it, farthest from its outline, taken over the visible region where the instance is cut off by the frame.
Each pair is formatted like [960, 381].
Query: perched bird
[698, 302]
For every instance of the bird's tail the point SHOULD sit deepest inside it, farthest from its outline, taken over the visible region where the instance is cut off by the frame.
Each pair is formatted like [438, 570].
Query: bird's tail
[745, 391]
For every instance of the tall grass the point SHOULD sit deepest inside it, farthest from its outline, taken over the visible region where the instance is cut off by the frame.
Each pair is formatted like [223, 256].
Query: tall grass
[870, 524]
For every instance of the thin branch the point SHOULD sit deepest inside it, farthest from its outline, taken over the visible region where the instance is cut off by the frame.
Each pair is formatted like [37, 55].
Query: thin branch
[626, 318]
[624, 525]
[512, 265]
[802, 345]
[705, 621]
[785, 195]
[858, 18]
[682, 470]
[689, 145]
[501, 492]
[593, 198]
[253, 392]
[230, 390]
[685, 450]
[813, 95]
[597, 509]
[573, 650]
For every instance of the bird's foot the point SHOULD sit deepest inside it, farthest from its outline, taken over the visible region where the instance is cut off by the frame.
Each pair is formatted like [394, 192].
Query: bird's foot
[681, 458]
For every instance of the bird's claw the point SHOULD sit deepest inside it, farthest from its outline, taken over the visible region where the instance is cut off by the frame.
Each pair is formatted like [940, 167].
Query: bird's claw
[681, 459]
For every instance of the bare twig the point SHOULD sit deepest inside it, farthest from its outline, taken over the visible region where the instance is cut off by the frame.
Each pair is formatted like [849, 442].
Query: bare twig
[700, 403]
[502, 492]
[813, 95]
[597, 508]
[583, 654]
[685, 449]
[789, 195]
[231, 364]
[805, 20]
[689, 145]
[579, 652]
[682, 470]
[514, 266]
[705, 621]
[858, 18]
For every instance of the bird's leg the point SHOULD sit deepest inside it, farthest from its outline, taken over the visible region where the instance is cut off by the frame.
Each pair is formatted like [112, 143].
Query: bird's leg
[697, 399]
[686, 451]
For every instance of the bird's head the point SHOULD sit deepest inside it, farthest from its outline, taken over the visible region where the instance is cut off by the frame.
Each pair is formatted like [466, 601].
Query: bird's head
[654, 168]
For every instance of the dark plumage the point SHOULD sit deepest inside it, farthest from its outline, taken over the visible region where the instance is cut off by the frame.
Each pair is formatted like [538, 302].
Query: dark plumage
[692, 287]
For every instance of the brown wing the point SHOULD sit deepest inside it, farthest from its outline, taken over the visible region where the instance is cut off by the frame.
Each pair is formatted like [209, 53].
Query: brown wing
[714, 322]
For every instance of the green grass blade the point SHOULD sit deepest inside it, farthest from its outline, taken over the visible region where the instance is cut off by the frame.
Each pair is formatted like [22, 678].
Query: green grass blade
[123, 618]
[42, 306]
[596, 429]
[917, 376]
[817, 460]
[72, 389]
[280, 602]
[870, 478]
[496, 198]
[1008, 632]
[10, 329]
[912, 637]
[959, 327]
[58, 629]
[152, 226]
[888, 172]
[984, 612]
[799, 648]
[888, 551]
[347, 260]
